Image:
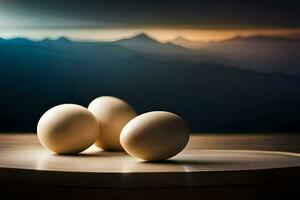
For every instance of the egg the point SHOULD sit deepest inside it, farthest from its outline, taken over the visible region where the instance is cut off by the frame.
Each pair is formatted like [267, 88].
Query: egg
[112, 114]
[67, 129]
[155, 136]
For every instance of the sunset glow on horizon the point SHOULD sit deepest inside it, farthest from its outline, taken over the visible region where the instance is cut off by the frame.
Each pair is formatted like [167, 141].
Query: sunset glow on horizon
[160, 34]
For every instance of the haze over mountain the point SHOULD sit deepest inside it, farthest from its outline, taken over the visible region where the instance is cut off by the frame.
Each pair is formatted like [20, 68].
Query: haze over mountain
[181, 41]
[143, 43]
[212, 96]
[256, 53]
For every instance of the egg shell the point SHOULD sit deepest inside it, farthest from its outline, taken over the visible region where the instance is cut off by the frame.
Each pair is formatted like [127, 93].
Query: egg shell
[155, 136]
[112, 114]
[67, 129]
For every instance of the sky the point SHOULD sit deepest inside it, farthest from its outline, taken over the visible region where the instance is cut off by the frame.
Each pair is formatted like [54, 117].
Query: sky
[203, 20]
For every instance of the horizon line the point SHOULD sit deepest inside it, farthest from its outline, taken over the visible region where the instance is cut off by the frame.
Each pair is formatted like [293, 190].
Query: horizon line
[296, 36]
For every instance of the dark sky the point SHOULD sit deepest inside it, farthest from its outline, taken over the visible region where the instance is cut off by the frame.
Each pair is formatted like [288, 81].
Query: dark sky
[175, 13]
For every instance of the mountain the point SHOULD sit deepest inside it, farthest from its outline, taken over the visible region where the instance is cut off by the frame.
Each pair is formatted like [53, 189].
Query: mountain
[60, 39]
[183, 42]
[144, 44]
[139, 40]
[63, 39]
[16, 40]
[256, 53]
[34, 76]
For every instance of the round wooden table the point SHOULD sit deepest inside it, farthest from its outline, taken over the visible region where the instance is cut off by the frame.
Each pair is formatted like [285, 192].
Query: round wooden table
[27, 168]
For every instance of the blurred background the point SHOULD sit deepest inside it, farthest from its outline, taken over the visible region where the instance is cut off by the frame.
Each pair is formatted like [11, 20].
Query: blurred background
[230, 66]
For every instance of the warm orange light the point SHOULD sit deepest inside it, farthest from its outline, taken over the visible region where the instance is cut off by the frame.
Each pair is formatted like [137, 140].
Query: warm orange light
[217, 35]
[160, 34]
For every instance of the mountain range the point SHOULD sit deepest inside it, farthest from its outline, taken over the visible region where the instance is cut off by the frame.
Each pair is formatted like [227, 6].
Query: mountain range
[209, 90]
[255, 53]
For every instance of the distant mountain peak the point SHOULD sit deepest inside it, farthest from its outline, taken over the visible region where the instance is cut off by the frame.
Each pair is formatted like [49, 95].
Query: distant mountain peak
[140, 38]
[63, 39]
[47, 40]
[186, 43]
[180, 38]
[60, 39]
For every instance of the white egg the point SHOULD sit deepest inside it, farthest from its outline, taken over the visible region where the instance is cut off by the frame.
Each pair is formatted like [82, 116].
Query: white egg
[155, 136]
[112, 114]
[67, 129]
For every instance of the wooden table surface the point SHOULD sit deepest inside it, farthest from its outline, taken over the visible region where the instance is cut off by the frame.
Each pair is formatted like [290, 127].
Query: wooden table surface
[24, 161]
